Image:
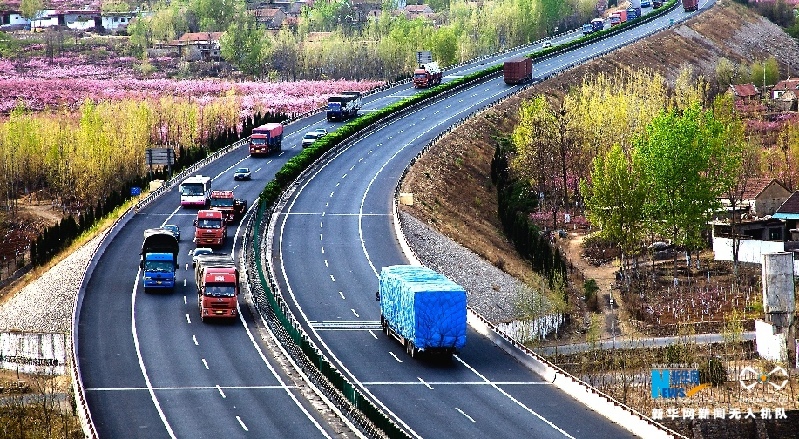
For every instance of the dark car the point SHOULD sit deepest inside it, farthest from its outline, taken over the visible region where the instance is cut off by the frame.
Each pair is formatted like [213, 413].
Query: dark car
[242, 174]
[173, 229]
[198, 252]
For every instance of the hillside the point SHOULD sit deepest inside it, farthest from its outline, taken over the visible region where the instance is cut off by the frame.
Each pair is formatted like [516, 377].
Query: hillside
[451, 183]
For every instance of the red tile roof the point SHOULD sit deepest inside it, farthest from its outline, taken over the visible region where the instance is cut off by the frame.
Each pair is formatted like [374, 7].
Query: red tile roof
[745, 90]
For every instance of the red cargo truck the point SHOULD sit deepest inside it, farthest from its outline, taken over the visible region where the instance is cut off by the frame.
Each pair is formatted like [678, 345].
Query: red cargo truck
[217, 280]
[518, 70]
[690, 5]
[209, 229]
[266, 138]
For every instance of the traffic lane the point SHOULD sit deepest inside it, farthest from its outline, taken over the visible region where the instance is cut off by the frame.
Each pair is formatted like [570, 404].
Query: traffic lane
[120, 403]
[432, 383]
[494, 365]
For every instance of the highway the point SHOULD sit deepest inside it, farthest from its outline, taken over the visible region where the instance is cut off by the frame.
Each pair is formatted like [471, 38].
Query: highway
[151, 369]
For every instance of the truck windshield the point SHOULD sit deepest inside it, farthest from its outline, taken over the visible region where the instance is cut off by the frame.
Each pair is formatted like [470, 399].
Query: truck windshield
[209, 224]
[221, 202]
[420, 76]
[158, 266]
[220, 290]
[258, 141]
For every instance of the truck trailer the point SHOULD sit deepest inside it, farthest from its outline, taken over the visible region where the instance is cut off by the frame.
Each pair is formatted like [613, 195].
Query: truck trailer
[422, 309]
[210, 229]
[232, 208]
[518, 70]
[217, 280]
[266, 138]
[690, 5]
[159, 260]
[598, 24]
[343, 106]
[427, 75]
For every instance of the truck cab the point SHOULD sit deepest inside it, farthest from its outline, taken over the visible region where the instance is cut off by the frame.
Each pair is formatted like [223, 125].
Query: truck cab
[232, 209]
[210, 229]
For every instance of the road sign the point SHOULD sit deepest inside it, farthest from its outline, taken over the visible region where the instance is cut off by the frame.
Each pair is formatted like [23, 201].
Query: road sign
[424, 56]
[160, 156]
[135, 191]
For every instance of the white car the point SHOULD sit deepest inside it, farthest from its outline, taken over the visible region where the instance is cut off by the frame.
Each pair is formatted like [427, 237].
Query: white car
[309, 139]
[198, 252]
[320, 132]
[546, 44]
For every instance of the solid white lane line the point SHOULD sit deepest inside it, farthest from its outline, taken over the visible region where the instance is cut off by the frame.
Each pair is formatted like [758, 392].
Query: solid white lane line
[141, 360]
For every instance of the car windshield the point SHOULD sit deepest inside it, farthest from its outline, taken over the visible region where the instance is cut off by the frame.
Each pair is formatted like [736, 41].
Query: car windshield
[220, 290]
[242, 171]
[158, 266]
[310, 136]
[172, 228]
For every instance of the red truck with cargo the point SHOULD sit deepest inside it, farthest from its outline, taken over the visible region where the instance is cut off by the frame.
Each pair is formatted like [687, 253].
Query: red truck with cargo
[518, 70]
[232, 208]
[690, 5]
[266, 138]
[209, 229]
[427, 75]
[217, 279]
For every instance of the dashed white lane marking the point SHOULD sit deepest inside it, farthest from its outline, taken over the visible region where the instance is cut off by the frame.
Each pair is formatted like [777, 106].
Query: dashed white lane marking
[238, 418]
[205, 363]
[341, 294]
[464, 414]
[332, 278]
[184, 299]
[326, 264]
[395, 357]
[353, 311]
[194, 339]
[373, 334]
[425, 384]
[220, 391]
[188, 319]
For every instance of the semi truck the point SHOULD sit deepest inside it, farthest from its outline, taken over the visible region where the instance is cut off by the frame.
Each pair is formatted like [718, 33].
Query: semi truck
[343, 106]
[159, 260]
[209, 228]
[217, 280]
[518, 70]
[427, 75]
[424, 310]
[690, 5]
[266, 138]
[632, 13]
[232, 208]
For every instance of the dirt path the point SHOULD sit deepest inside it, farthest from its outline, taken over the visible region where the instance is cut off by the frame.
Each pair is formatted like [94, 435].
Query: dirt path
[614, 312]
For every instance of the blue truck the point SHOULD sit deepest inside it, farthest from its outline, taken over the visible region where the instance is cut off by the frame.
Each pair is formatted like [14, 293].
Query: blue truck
[159, 260]
[343, 106]
[424, 310]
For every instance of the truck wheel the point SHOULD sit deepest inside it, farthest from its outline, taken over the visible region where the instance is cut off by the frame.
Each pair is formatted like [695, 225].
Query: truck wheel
[410, 349]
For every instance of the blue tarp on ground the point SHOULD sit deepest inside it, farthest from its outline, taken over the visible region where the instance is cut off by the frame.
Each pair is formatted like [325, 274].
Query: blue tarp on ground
[424, 306]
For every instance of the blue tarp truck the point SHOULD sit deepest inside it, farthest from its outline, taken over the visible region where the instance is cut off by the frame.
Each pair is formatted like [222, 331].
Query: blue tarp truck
[343, 106]
[159, 260]
[422, 309]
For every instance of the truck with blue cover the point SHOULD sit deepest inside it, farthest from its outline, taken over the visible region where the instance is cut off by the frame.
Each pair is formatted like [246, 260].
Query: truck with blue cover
[424, 310]
[343, 106]
[159, 260]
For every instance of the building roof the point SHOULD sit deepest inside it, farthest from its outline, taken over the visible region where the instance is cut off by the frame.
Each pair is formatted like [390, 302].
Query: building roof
[756, 186]
[266, 12]
[790, 208]
[418, 9]
[787, 84]
[200, 36]
[745, 90]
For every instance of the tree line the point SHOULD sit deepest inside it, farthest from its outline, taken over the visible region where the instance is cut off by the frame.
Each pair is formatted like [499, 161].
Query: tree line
[384, 47]
[642, 159]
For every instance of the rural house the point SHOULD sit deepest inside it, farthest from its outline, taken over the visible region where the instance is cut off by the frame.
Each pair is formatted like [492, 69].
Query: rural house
[744, 92]
[270, 18]
[196, 46]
